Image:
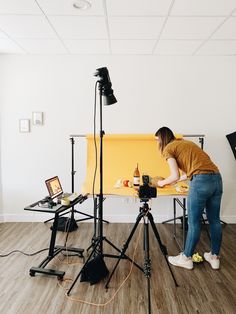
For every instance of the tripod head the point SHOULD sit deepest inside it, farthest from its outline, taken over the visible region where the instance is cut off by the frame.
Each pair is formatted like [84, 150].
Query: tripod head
[145, 207]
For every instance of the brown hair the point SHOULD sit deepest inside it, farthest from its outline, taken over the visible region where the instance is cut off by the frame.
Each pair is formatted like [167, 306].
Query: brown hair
[165, 136]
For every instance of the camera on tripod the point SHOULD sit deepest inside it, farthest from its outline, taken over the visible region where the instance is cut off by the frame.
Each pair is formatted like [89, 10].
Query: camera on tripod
[146, 191]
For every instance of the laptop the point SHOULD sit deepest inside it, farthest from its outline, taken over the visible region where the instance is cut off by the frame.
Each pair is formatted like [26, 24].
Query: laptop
[55, 189]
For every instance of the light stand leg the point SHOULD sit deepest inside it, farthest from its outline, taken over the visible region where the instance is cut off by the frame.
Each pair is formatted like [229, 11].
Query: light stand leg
[125, 247]
[95, 223]
[77, 277]
[95, 210]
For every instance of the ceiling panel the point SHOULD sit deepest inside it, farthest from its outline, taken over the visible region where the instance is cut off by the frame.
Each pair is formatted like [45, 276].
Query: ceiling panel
[218, 47]
[75, 27]
[157, 27]
[8, 46]
[26, 26]
[135, 27]
[177, 47]
[65, 7]
[88, 46]
[3, 35]
[43, 46]
[19, 7]
[203, 7]
[135, 7]
[132, 46]
[190, 27]
[227, 30]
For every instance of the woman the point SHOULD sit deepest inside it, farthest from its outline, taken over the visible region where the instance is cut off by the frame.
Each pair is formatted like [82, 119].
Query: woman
[205, 192]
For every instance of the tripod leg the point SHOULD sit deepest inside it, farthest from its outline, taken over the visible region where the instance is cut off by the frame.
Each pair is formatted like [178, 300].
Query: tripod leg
[147, 261]
[162, 247]
[125, 247]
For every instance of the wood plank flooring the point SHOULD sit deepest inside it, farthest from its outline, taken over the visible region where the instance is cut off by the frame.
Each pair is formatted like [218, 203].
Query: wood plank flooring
[201, 290]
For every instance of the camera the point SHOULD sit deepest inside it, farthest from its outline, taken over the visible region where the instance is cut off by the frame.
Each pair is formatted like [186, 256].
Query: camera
[146, 191]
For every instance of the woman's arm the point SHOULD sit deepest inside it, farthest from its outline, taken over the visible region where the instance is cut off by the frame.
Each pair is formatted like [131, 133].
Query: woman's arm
[174, 173]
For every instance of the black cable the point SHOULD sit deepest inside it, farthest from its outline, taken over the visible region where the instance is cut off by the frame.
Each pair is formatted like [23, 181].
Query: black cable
[27, 254]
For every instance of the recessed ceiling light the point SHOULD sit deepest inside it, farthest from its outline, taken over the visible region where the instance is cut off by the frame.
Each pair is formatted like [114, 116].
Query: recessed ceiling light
[82, 4]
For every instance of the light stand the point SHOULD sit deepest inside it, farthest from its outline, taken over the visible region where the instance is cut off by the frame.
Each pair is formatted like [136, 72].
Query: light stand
[106, 93]
[106, 98]
[100, 211]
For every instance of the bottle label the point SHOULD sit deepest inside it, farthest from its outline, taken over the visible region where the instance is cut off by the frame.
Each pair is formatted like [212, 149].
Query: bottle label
[136, 181]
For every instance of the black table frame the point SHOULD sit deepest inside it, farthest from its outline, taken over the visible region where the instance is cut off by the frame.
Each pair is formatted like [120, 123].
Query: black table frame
[53, 249]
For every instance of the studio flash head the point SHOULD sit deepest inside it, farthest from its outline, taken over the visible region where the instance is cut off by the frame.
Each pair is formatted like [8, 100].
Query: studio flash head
[105, 86]
[146, 191]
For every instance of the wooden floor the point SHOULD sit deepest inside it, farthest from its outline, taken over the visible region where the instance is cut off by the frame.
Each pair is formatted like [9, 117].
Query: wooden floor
[201, 290]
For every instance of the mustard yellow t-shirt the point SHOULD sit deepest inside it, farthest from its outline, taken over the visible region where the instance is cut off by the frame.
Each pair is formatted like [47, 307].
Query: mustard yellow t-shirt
[190, 158]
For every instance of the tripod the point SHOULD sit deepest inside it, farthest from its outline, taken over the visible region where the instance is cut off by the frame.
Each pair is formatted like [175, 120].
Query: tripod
[144, 213]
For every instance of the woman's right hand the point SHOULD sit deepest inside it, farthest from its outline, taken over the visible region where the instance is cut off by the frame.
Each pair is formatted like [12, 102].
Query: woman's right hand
[154, 181]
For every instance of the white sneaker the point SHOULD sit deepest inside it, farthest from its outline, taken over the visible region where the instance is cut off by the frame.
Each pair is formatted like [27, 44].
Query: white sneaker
[213, 260]
[181, 260]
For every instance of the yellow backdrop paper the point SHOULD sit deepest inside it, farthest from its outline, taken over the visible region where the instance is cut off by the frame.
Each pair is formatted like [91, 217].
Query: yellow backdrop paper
[121, 154]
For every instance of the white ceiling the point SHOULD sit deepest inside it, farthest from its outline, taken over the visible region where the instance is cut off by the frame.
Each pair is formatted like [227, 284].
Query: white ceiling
[138, 27]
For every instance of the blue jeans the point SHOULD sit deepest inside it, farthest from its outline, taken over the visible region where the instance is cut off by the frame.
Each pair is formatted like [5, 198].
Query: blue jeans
[205, 192]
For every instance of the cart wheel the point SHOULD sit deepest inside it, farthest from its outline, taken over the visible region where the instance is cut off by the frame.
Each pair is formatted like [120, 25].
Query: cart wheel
[60, 278]
[32, 273]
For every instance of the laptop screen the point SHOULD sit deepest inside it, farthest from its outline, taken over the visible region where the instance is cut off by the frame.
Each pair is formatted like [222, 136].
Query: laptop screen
[54, 187]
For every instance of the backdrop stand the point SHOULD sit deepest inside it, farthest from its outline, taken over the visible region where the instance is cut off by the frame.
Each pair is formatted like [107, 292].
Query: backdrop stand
[73, 172]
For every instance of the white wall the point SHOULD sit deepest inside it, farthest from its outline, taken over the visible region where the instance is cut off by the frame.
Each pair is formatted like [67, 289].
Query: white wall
[190, 95]
[1, 209]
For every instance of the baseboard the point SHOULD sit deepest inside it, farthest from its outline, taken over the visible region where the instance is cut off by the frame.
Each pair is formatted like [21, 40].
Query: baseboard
[26, 217]
[132, 218]
[39, 217]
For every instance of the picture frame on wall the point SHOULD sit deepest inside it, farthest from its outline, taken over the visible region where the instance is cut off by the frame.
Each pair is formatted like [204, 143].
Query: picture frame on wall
[37, 118]
[24, 125]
